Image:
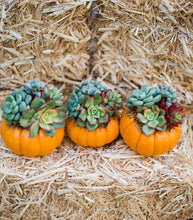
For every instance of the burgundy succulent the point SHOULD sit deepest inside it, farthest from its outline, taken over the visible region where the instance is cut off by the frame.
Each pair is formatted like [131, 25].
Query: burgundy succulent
[174, 114]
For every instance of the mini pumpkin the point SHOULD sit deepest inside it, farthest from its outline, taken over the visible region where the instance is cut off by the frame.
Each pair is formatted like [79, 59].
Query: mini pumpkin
[19, 141]
[33, 119]
[95, 138]
[93, 120]
[151, 123]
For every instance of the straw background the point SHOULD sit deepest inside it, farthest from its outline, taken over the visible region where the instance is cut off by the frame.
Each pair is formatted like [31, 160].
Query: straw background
[126, 44]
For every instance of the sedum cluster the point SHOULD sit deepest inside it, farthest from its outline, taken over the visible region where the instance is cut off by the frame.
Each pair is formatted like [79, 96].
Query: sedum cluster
[156, 108]
[92, 104]
[35, 106]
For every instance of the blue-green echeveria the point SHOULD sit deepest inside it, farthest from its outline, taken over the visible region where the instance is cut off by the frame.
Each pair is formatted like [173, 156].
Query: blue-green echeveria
[14, 105]
[145, 96]
[167, 93]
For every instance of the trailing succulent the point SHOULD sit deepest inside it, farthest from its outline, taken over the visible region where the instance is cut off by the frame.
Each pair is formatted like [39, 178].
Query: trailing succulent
[156, 108]
[92, 104]
[35, 106]
[151, 119]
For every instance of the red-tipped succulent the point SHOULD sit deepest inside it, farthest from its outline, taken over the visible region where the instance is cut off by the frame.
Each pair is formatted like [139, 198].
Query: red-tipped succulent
[173, 115]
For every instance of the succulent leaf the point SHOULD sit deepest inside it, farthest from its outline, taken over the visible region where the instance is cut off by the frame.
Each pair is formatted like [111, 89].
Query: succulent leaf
[22, 106]
[83, 114]
[24, 122]
[148, 130]
[148, 99]
[145, 88]
[58, 125]
[51, 104]
[37, 103]
[45, 127]
[89, 102]
[27, 114]
[10, 99]
[161, 128]
[141, 118]
[149, 104]
[101, 111]
[81, 123]
[60, 117]
[161, 120]
[50, 133]
[91, 127]
[91, 120]
[52, 113]
[97, 99]
[138, 103]
[104, 119]
[34, 129]
[152, 124]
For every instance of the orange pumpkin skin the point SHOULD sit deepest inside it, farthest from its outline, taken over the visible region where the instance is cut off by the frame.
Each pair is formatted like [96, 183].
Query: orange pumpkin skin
[94, 138]
[19, 141]
[158, 143]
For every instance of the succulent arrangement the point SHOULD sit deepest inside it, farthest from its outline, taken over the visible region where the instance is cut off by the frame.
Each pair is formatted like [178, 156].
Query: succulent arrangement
[155, 108]
[92, 104]
[35, 106]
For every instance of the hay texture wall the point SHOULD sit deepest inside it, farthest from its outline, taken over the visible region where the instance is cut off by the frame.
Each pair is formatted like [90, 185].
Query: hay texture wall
[127, 44]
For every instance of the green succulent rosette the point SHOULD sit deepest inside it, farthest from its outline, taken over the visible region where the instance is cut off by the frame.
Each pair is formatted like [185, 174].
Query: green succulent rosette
[92, 104]
[155, 108]
[35, 106]
[151, 119]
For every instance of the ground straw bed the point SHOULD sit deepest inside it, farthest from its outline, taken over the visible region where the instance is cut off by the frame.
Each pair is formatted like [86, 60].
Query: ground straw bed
[126, 44]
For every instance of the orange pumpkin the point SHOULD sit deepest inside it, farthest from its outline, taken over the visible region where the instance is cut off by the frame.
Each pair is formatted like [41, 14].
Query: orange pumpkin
[158, 143]
[19, 141]
[94, 138]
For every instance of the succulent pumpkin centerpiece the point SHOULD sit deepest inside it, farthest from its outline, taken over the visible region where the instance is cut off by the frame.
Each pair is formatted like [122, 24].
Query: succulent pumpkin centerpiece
[33, 119]
[151, 121]
[93, 120]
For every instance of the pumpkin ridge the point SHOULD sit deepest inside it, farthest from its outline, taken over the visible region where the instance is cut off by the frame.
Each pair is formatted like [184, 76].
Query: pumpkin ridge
[20, 148]
[169, 142]
[39, 143]
[154, 144]
[126, 127]
[138, 142]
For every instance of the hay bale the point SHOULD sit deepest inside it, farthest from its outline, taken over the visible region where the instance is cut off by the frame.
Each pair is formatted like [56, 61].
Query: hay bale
[142, 42]
[135, 42]
[44, 38]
